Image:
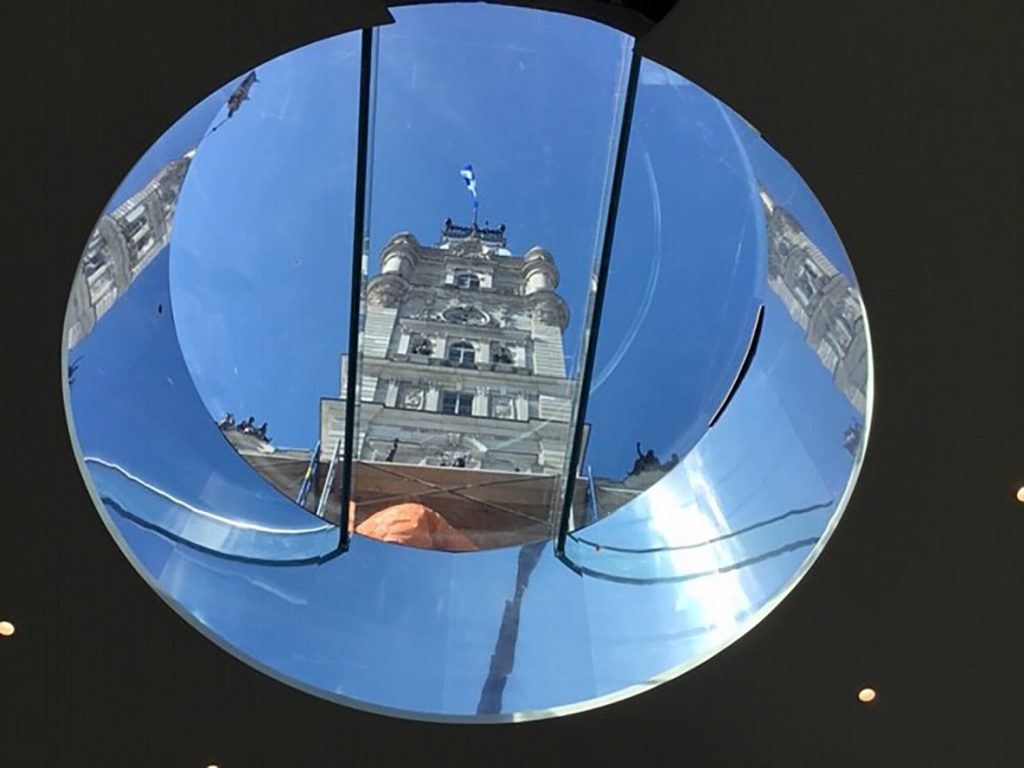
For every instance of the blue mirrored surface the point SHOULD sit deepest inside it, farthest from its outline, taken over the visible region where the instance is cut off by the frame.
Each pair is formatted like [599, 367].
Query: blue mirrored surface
[685, 280]
[218, 281]
[259, 278]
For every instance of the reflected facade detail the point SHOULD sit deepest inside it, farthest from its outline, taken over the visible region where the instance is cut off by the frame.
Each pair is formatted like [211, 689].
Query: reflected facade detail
[121, 245]
[822, 301]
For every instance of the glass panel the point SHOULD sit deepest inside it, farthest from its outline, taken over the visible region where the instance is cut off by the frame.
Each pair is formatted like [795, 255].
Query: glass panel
[489, 178]
[150, 463]
[260, 276]
[761, 488]
[682, 293]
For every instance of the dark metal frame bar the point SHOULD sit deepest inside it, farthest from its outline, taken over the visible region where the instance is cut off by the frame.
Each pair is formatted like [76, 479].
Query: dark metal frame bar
[355, 307]
[576, 455]
[741, 372]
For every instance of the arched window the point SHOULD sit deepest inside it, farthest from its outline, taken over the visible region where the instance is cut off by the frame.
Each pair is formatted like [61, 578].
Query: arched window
[467, 280]
[461, 353]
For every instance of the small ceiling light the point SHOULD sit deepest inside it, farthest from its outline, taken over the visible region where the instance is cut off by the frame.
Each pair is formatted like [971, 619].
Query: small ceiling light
[6, 628]
[1020, 494]
[866, 695]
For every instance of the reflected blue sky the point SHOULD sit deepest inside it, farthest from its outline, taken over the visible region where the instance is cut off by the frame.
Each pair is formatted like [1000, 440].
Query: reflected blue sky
[183, 136]
[135, 410]
[529, 99]
[262, 244]
[683, 285]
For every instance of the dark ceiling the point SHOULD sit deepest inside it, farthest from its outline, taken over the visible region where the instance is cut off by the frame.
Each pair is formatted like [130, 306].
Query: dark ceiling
[898, 114]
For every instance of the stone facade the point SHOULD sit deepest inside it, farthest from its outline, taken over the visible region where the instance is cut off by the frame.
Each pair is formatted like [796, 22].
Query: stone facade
[822, 301]
[121, 245]
[461, 358]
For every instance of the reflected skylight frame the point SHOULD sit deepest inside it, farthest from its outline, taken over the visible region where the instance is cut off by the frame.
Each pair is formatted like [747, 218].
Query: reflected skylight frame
[592, 328]
[360, 238]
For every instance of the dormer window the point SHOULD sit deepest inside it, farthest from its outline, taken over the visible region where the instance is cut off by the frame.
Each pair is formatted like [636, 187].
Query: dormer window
[468, 281]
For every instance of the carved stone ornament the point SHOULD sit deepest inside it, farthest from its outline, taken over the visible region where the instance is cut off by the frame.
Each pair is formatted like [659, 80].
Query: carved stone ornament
[465, 315]
[421, 345]
[386, 291]
[551, 311]
[503, 407]
[428, 314]
[413, 398]
[471, 248]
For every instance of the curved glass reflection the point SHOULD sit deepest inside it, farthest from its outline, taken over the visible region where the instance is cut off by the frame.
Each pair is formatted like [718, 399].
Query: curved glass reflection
[208, 344]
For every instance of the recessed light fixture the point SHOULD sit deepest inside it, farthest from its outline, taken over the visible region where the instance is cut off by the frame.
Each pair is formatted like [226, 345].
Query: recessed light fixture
[1020, 494]
[866, 695]
[6, 628]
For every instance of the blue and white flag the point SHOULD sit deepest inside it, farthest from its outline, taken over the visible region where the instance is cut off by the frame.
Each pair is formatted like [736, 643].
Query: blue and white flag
[470, 179]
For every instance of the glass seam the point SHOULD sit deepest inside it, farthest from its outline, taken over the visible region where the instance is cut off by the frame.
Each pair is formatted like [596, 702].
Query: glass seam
[602, 280]
[355, 306]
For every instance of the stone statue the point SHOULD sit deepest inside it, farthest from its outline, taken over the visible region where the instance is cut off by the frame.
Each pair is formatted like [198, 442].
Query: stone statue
[645, 462]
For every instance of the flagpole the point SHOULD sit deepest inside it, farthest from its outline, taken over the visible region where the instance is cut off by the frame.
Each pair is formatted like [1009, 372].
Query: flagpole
[470, 178]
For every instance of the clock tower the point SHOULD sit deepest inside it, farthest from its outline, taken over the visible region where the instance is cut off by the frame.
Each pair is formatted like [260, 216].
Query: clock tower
[462, 371]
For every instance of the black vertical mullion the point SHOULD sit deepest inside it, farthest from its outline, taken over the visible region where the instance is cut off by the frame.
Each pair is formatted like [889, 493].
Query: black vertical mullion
[355, 307]
[602, 280]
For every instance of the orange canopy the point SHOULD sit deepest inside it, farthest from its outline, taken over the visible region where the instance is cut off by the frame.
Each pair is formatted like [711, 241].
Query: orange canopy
[413, 525]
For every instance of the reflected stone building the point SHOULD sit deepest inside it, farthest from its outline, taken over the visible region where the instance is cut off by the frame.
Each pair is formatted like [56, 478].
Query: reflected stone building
[461, 358]
[121, 245]
[821, 299]
[823, 302]
[464, 403]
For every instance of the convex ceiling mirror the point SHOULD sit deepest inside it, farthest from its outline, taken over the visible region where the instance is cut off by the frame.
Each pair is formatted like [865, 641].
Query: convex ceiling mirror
[469, 368]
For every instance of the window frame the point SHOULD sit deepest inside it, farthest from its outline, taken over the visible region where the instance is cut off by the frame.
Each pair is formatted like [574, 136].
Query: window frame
[466, 275]
[464, 349]
[462, 402]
